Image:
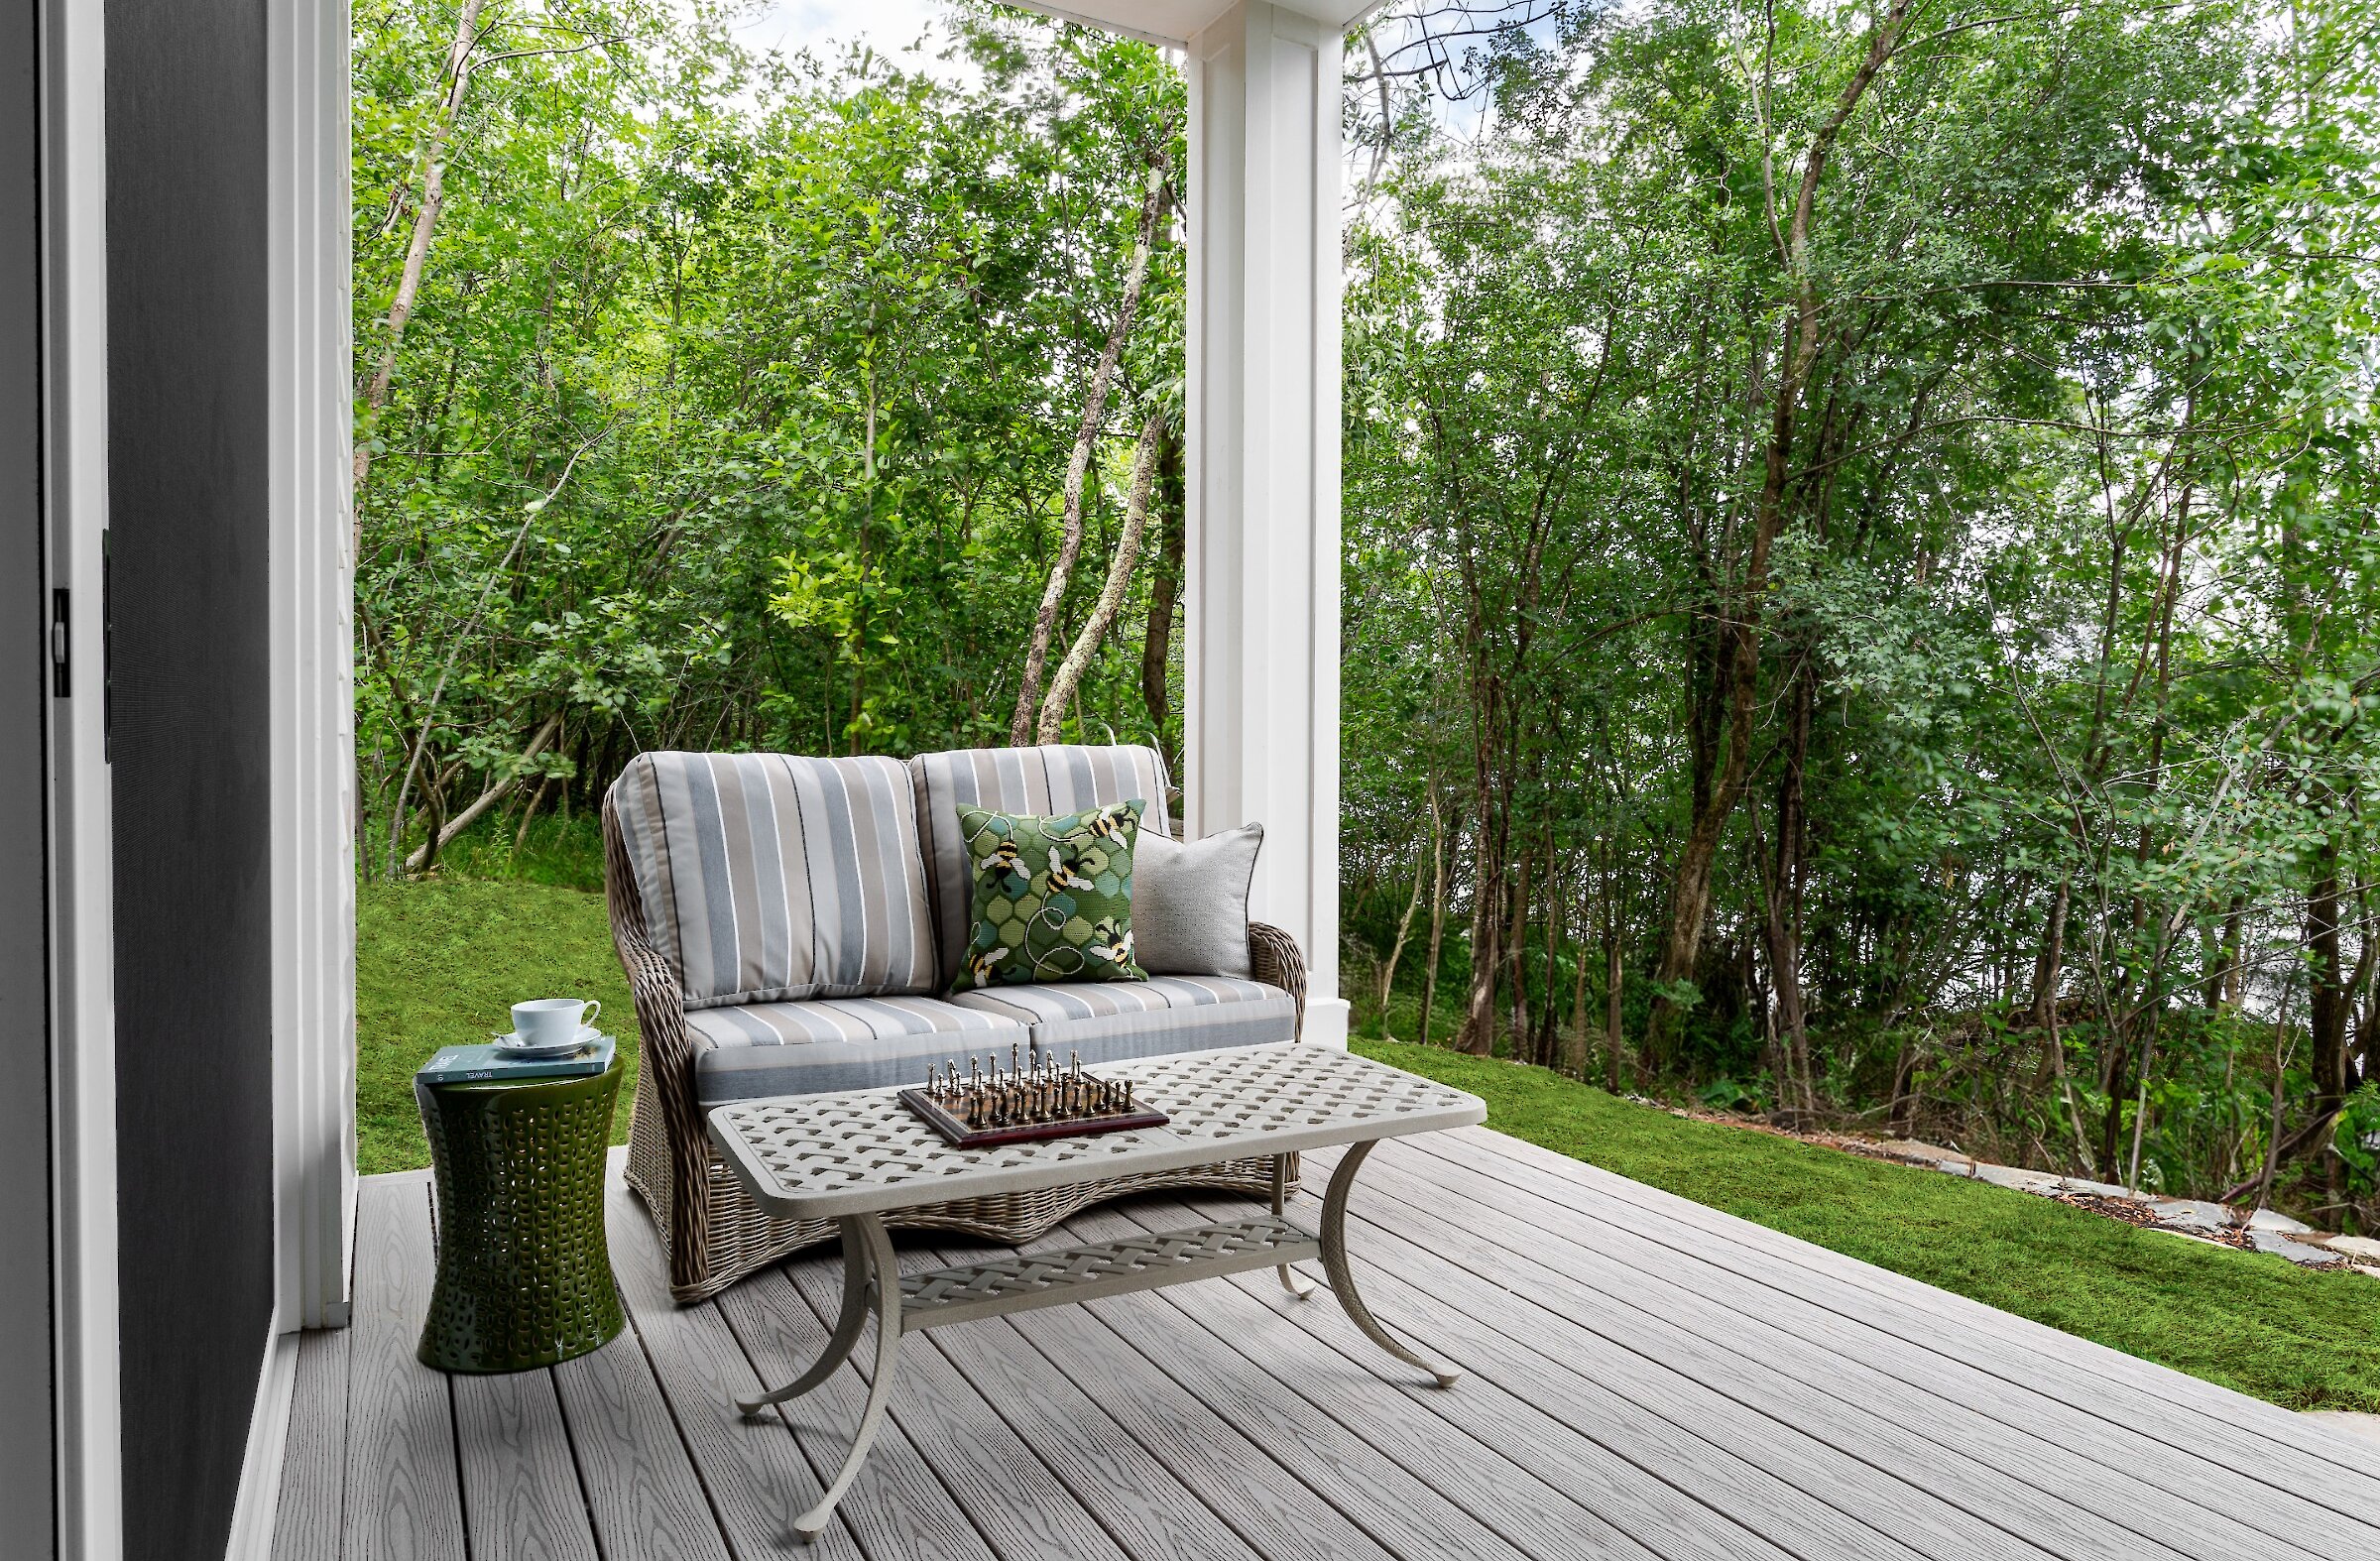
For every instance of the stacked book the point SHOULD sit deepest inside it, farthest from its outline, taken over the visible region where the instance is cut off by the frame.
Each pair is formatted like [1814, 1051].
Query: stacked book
[480, 1064]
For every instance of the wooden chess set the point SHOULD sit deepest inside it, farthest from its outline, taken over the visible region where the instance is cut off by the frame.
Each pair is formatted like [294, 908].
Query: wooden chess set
[1024, 1101]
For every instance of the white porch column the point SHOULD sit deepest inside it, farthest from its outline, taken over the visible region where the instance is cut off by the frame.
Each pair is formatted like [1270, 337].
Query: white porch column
[312, 591]
[1262, 546]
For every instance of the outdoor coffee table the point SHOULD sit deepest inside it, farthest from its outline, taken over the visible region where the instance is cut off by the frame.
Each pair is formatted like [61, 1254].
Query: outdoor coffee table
[856, 1157]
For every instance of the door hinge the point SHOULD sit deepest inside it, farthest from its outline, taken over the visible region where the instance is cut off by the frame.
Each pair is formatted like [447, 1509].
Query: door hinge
[62, 683]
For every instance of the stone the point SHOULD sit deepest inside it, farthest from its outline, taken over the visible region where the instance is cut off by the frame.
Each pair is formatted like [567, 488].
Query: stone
[2282, 1246]
[2355, 1246]
[2192, 1214]
[1916, 1151]
[2274, 1220]
[2101, 1189]
[2013, 1176]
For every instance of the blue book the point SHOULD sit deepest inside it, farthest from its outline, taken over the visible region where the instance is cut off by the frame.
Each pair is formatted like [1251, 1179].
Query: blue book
[479, 1064]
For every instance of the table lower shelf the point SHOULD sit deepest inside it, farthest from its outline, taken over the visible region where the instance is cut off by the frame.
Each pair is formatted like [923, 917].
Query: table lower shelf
[1005, 1286]
[904, 1304]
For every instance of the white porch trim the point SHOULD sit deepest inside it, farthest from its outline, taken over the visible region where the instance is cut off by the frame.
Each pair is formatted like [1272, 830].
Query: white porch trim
[259, 1501]
[1262, 717]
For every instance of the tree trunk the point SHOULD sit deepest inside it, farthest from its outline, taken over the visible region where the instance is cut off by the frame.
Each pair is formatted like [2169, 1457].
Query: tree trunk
[1429, 983]
[1516, 951]
[374, 392]
[1404, 924]
[2329, 1003]
[1615, 975]
[2224, 976]
[1078, 466]
[495, 792]
[1556, 916]
[1782, 925]
[1069, 679]
[1165, 587]
[2046, 962]
[1579, 1051]
[1477, 1035]
[1745, 609]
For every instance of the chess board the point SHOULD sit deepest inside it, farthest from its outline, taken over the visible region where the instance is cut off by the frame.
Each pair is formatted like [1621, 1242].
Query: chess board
[1023, 1102]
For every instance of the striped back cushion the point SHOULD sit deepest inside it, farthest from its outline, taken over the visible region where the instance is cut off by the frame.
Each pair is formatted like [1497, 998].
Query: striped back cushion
[1057, 778]
[767, 878]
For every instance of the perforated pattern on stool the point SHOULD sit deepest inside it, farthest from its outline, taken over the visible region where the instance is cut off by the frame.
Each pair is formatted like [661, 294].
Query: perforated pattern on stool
[524, 1274]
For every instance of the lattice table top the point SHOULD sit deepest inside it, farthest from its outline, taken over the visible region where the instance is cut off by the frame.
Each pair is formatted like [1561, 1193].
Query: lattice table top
[861, 1152]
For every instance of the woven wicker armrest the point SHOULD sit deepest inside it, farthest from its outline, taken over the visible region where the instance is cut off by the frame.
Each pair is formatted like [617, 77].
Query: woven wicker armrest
[676, 1160]
[1277, 961]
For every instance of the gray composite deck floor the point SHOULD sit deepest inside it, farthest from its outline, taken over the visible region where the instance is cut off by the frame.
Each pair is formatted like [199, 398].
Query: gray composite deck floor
[1644, 1378]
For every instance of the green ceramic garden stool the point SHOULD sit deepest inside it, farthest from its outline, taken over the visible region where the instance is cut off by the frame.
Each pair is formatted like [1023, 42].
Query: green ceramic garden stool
[524, 1276]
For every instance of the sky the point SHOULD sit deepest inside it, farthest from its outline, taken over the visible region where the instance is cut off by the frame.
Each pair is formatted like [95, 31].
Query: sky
[824, 26]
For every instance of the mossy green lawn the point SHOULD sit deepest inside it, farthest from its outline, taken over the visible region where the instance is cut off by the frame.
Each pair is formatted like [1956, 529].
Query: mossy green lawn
[2246, 1320]
[439, 963]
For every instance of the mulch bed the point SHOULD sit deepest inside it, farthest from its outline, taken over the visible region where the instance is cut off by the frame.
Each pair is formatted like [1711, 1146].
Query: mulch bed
[2131, 1212]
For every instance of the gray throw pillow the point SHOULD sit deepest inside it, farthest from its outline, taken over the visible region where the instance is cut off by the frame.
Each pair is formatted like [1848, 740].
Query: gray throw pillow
[1190, 902]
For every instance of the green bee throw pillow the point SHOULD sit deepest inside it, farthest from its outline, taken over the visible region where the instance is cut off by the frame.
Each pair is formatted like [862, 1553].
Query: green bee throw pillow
[1053, 897]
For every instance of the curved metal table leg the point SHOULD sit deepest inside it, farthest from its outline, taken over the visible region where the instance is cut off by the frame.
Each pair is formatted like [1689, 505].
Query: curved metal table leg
[867, 1229]
[840, 1343]
[1297, 1287]
[1343, 1277]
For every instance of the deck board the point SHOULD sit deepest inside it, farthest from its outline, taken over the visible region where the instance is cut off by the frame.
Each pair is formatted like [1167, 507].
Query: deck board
[403, 1499]
[2185, 1412]
[309, 1521]
[1010, 1496]
[2053, 1487]
[898, 1509]
[1645, 1378]
[2291, 1464]
[522, 1500]
[646, 1499]
[1506, 1494]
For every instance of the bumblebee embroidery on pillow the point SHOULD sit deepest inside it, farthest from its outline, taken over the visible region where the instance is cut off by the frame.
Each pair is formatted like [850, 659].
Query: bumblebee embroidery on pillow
[1052, 897]
[1063, 877]
[1113, 946]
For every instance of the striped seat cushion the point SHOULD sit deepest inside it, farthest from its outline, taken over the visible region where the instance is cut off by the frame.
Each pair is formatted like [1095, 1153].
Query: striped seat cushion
[1117, 1021]
[760, 1049]
[1056, 779]
[767, 877]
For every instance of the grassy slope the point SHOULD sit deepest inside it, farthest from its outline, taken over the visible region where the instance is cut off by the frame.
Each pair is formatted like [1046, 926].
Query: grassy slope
[439, 963]
[2242, 1319]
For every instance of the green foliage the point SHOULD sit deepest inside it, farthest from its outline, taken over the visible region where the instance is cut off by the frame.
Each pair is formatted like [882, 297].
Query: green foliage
[739, 393]
[2062, 639]
[2244, 1320]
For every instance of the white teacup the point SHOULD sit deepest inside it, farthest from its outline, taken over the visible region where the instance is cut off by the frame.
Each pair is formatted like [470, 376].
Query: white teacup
[552, 1021]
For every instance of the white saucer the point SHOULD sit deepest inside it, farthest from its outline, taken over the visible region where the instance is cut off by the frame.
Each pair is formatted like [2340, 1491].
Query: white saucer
[513, 1045]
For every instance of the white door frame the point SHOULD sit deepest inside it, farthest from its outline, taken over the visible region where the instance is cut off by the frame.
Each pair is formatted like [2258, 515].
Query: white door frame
[82, 1030]
[312, 592]
[311, 745]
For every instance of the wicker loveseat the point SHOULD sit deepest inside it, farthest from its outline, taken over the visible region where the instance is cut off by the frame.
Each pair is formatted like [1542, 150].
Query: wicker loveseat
[791, 925]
